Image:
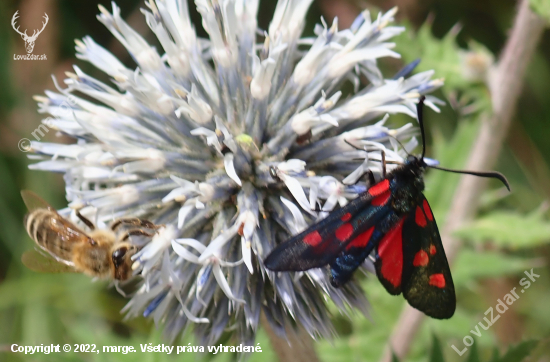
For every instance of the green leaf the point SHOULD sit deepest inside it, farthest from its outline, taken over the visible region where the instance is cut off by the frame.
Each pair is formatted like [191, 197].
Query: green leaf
[517, 353]
[369, 337]
[509, 229]
[457, 66]
[436, 354]
[394, 357]
[541, 7]
[473, 356]
[441, 55]
[472, 265]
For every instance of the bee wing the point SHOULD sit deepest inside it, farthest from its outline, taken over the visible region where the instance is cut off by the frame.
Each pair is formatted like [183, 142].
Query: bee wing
[33, 201]
[56, 235]
[62, 226]
[41, 263]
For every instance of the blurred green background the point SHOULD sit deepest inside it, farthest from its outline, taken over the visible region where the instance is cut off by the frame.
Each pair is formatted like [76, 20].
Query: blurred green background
[510, 235]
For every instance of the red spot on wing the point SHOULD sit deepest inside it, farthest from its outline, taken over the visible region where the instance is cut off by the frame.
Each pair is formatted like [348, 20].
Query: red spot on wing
[346, 217]
[432, 249]
[361, 240]
[381, 199]
[421, 258]
[437, 280]
[427, 210]
[380, 188]
[419, 217]
[313, 238]
[390, 251]
[344, 232]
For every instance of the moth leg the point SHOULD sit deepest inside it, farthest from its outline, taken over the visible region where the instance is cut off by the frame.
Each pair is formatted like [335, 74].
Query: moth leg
[383, 155]
[136, 233]
[317, 208]
[353, 146]
[369, 174]
[135, 222]
[85, 220]
[370, 178]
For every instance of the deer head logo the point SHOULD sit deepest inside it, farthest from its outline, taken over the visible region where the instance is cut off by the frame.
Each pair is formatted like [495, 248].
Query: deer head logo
[29, 40]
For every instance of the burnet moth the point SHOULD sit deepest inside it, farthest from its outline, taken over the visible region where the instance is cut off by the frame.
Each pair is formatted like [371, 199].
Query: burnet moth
[394, 219]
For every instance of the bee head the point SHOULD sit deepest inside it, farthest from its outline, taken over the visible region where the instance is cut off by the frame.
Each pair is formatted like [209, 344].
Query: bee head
[122, 261]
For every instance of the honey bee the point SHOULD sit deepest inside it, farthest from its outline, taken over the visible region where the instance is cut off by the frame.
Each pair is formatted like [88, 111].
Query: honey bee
[100, 253]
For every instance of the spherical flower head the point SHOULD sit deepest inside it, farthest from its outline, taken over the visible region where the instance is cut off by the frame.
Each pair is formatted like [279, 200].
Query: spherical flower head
[231, 143]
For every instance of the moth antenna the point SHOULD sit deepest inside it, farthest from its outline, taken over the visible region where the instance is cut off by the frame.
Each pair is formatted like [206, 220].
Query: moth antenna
[490, 174]
[420, 116]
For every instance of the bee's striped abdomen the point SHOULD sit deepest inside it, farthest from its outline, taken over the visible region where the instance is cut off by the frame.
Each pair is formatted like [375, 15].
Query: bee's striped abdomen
[41, 226]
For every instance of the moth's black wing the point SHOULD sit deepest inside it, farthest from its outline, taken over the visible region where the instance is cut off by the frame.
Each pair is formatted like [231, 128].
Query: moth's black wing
[427, 283]
[322, 242]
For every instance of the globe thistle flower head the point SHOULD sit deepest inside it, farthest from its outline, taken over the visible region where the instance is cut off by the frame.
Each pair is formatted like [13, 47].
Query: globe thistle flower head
[232, 142]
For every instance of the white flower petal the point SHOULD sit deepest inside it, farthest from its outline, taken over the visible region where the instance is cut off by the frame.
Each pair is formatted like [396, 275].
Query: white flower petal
[184, 253]
[191, 317]
[195, 244]
[224, 286]
[247, 254]
[230, 168]
[298, 192]
[184, 211]
[300, 223]
[215, 245]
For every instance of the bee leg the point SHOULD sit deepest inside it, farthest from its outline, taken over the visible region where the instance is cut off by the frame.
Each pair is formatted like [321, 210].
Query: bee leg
[135, 222]
[118, 289]
[85, 220]
[136, 232]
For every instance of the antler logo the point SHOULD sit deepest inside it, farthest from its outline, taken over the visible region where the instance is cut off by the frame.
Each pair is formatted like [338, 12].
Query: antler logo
[29, 40]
